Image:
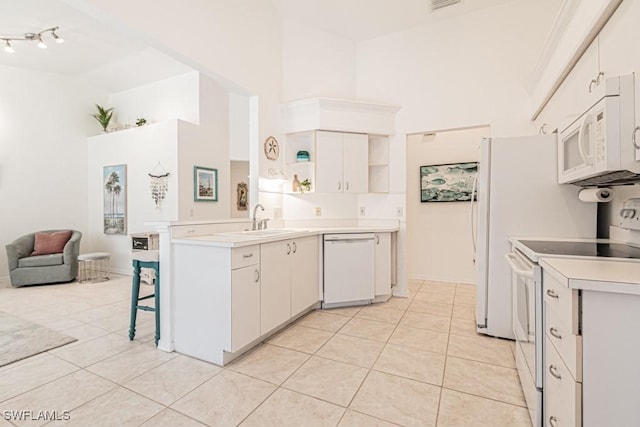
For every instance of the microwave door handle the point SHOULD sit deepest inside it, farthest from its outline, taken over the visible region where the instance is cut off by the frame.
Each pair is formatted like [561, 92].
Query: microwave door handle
[511, 259]
[588, 122]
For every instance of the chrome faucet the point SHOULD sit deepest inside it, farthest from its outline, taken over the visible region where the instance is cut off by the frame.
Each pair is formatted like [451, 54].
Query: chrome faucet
[254, 225]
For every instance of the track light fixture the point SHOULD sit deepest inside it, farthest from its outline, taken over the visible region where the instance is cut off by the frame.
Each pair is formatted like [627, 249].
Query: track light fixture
[35, 37]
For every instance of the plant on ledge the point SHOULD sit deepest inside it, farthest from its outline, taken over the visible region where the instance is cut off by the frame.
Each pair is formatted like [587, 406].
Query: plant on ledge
[103, 116]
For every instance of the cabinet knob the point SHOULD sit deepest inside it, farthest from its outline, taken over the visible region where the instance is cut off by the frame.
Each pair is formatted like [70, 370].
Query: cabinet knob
[552, 294]
[288, 248]
[553, 421]
[295, 247]
[554, 332]
[339, 185]
[347, 186]
[554, 371]
[257, 275]
[377, 239]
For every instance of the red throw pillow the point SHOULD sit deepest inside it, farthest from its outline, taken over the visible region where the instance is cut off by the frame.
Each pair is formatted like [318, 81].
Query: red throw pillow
[50, 243]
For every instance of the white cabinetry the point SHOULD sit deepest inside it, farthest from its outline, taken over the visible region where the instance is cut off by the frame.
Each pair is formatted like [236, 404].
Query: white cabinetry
[304, 274]
[217, 300]
[341, 162]
[289, 271]
[245, 306]
[592, 345]
[382, 266]
[562, 354]
[275, 301]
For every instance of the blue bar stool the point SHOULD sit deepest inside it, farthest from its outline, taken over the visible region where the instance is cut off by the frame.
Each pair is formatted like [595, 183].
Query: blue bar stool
[145, 259]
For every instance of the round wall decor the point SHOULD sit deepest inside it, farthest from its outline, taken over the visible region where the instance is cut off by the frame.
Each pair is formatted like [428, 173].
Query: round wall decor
[271, 148]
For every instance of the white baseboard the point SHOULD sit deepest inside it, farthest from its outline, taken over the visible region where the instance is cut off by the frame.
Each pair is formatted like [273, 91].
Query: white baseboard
[437, 279]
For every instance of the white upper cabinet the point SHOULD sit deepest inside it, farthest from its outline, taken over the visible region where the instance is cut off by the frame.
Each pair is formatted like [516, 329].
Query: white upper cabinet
[342, 162]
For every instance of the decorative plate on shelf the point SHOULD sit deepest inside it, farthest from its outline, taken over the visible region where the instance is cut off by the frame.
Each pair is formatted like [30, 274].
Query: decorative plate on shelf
[271, 148]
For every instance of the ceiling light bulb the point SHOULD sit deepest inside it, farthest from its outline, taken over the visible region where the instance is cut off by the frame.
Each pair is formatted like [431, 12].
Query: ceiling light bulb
[7, 47]
[57, 38]
[41, 44]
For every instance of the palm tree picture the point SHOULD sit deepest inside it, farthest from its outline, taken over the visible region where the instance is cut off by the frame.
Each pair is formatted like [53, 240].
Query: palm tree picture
[114, 199]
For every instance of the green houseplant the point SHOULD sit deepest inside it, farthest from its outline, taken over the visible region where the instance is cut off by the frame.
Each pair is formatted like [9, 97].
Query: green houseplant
[103, 116]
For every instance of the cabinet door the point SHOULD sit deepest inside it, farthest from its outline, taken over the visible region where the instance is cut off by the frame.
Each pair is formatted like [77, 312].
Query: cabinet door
[275, 299]
[328, 162]
[304, 274]
[355, 163]
[383, 264]
[245, 306]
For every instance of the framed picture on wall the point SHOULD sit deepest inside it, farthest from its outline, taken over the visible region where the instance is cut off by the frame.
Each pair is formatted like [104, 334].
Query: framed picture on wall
[451, 182]
[114, 190]
[205, 184]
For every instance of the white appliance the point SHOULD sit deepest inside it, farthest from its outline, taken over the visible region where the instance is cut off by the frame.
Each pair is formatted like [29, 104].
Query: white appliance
[528, 330]
[518, 194]
[348, 269]
[599, 147]
[527, 303]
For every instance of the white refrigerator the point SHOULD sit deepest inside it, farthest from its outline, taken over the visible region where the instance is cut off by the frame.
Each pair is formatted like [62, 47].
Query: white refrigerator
[519, 195]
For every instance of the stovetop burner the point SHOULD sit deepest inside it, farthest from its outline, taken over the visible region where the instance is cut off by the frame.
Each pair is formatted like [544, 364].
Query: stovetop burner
[609, 250]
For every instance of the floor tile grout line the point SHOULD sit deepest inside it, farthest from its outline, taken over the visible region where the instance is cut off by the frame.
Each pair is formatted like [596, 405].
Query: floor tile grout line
[485, 397]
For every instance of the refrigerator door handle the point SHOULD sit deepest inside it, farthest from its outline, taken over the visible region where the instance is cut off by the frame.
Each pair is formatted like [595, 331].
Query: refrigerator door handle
[474, 189]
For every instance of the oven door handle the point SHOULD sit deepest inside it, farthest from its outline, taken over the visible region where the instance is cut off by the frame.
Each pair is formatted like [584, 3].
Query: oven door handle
[513, 262]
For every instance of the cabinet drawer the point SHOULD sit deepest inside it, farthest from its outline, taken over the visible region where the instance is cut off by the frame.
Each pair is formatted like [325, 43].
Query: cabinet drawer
[562, 300]
[242, 257]
[562, 394]
[568, 345]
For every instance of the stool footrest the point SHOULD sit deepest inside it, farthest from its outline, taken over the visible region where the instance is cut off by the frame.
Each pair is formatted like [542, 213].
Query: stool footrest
[147, 297]
[145, 308]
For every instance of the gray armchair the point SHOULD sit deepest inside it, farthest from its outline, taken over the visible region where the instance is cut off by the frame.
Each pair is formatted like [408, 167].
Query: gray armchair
[40, 269]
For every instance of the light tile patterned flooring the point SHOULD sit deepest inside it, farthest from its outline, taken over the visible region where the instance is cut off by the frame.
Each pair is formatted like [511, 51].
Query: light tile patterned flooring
[413, 361]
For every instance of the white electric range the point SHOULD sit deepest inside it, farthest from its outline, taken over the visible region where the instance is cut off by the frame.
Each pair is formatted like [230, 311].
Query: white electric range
[527, 300]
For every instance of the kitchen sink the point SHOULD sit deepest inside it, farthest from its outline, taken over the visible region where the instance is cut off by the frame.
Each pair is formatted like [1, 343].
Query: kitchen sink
[260, 233]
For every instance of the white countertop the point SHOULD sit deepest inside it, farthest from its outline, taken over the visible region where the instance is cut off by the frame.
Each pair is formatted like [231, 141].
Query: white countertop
[596, 275]
[232, 241]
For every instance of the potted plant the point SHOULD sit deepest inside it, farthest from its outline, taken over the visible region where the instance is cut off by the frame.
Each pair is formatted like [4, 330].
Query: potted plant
[103, 116]
[305, 186]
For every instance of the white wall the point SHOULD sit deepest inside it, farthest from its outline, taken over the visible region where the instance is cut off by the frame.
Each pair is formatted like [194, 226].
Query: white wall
[238, 127]
[317, 63]
[167, 99]
[44, 120]
[439, 234]
[206, 145]
[469, 70]
[177, 145]
[140, 149]
[465, 71]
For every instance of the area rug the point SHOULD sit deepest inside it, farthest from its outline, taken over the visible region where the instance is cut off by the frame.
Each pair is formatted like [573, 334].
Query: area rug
[20, 338]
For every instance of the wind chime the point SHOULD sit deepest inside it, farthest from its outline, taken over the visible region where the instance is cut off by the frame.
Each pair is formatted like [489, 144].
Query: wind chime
[158, 184]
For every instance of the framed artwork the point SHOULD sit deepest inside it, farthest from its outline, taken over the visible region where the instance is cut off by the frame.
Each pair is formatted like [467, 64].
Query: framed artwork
[205, 184]
[114, 190]
[242, 195]
[451, 182]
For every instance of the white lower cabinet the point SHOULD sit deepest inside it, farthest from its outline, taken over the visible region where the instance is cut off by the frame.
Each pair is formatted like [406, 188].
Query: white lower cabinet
[245, 306]
[304, 274]
[289, 271]
[382, 269]
[591, 353]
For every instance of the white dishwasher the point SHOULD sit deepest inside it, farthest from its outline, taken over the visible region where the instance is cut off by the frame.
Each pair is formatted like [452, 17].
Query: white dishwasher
[348, 269]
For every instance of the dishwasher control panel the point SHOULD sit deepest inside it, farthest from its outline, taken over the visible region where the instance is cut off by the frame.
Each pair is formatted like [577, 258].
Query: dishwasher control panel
[629, 215]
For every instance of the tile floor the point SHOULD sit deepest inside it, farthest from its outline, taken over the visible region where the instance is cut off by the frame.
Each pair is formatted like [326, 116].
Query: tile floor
[411, 361]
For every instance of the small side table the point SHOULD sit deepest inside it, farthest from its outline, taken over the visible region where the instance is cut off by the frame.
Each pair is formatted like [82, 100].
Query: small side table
[93, 267]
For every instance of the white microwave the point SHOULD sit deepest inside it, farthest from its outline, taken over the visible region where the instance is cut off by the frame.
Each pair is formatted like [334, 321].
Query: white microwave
[598, 147]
